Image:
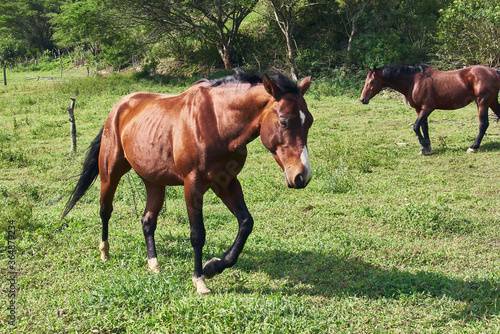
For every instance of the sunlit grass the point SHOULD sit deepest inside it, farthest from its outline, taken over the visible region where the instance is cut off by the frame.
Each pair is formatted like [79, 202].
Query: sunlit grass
[382, 239]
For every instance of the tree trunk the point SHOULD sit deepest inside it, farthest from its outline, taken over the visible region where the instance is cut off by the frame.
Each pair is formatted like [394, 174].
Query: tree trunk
[284, 18]
[354, 25]
[226, 57]
[351, 37]
[291, 58]
[227, 61]
[5, 76]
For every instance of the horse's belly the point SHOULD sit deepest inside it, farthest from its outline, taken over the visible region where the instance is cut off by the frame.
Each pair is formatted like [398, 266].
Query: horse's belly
[455, 102]
[153, 162]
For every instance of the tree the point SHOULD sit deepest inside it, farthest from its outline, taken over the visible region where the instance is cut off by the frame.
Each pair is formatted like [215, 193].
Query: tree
[350, 12]
[216, 22]
[82, 23]
[469, 32]
[29, 21]
[285, 13]
[10, 51]
[395, 31]
[98, 31]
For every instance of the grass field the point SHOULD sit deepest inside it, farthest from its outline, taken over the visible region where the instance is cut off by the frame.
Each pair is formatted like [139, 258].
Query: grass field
[383, 240]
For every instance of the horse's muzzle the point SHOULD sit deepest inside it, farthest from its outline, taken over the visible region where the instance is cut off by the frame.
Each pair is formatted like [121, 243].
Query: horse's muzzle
[299, 181]
[365, 100]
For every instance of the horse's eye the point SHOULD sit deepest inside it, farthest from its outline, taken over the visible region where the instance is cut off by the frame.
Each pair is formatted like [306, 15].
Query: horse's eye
[283, 122]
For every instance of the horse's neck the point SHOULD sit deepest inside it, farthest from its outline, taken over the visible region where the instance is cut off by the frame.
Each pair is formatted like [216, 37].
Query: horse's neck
[402, 83]
[245, 115]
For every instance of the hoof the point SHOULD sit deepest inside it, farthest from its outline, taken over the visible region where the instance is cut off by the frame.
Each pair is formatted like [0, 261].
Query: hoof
[425, 151]
[471, 150]
[200, 285]
[153, 265]
[104, 248]
[209, 268]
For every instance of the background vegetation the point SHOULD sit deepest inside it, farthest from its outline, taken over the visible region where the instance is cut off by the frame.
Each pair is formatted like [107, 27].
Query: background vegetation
[194, 37]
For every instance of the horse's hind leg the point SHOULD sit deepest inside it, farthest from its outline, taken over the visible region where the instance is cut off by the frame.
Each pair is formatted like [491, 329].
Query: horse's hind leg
[107, 194]
[155, 196]
[111, 169]
[483, 125]
[495, 107]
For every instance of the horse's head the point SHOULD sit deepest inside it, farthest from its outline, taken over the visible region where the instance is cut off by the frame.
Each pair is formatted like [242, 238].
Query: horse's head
[373, 85]
[284, 130]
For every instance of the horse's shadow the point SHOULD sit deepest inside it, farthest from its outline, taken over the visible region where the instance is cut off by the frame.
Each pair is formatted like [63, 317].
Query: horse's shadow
[490, 146]
[328, 275]
[317, 273]
[485, 147]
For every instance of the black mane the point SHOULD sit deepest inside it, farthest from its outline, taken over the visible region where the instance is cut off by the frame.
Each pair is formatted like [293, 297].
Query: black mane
[240, 76]
[391, 72]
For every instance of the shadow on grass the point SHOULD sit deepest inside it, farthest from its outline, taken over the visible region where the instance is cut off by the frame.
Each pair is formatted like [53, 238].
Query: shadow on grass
[485, 147]
[491, 146]
[319, 274]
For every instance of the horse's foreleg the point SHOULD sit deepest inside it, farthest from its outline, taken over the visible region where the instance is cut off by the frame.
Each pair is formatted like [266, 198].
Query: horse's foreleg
[483, 125]
[232, 196]
[424, 139]
[155, 196]
[193, 193]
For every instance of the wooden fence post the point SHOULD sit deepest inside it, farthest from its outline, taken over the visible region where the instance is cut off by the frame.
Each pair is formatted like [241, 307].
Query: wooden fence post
[71, 113]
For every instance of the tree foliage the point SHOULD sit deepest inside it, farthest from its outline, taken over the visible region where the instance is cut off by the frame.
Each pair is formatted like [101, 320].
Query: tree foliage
[98, 31]
[29, 22]
[309, 37]
[469, 32]
[216, 22]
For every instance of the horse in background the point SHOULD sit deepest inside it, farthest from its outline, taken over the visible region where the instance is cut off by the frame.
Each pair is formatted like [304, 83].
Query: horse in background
[198, 139]
[427, 89]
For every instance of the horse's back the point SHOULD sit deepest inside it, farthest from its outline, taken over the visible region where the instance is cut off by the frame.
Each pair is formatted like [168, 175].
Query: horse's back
[457, 88]
[142, 128]
[487, 75]
[133, 104]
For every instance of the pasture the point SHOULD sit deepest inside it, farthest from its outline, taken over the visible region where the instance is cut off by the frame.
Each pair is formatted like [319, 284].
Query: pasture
[381, 240]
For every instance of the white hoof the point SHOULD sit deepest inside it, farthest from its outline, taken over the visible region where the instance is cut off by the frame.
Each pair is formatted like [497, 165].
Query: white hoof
[200, 285]
[425, 152]
[471, 150]
[153, 265]
[104, 248]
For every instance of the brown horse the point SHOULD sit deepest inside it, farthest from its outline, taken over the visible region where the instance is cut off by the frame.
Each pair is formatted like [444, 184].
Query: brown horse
[427, 89]
[198, 139]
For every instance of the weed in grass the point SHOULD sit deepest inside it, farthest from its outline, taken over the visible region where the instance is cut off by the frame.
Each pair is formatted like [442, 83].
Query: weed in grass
[423, 219]
[337, 180]
[15, 158]
[16, 207]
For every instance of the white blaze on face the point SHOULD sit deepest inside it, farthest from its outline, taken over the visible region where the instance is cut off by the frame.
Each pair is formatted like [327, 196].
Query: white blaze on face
[304, 157]
[302, 117]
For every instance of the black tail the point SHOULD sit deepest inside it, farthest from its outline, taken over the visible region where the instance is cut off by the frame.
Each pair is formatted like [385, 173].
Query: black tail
[88, 175]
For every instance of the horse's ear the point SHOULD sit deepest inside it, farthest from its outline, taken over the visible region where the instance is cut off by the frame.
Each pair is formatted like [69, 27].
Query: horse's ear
[304, 85]
[271, 87]
[368, 69]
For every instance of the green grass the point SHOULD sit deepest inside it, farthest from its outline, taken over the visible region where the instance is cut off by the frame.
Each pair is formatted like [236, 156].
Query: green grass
[383, 240]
